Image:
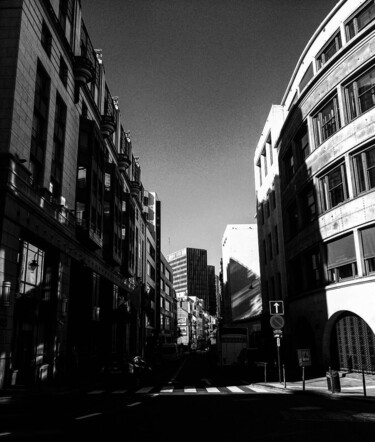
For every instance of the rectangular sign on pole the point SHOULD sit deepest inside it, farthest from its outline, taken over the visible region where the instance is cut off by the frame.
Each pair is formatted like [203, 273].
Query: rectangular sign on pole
[276, 307]
[304, 357]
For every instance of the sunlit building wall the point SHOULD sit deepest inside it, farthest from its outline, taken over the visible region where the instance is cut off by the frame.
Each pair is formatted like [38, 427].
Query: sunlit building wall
[242, 300]
[325, 151]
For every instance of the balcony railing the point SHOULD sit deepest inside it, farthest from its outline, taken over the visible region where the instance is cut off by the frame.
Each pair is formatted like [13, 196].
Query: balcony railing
[125, 154]
[108, 123]
[84, 64]
[18, 181]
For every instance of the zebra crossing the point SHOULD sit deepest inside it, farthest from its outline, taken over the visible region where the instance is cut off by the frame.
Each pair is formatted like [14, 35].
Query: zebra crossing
[171, 389]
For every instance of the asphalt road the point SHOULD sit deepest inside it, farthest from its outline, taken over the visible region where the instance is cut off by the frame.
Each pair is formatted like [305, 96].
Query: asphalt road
[191, 402]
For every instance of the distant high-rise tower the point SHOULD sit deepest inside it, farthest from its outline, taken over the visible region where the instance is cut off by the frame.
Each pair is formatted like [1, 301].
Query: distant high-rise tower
[190, 273]
[212, 290]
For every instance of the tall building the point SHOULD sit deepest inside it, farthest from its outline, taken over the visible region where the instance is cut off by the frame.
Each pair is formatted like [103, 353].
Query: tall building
[190, 273]
[324, 145]
[151, 207]
[168, 305]
[72, 225]
[242, 300]
[212, 290]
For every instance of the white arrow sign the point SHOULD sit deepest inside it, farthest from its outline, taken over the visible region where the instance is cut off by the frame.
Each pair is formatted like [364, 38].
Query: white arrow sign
[276, 307]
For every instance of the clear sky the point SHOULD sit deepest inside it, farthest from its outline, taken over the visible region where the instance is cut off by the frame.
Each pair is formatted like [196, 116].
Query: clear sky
[195, 81]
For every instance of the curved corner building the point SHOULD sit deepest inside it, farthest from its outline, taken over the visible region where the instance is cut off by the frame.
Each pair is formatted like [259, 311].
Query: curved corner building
[315, 182]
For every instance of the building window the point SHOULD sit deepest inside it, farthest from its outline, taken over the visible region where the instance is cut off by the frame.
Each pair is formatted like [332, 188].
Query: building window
[261, 213]
[46, 39]
[308, 75]
[259, 165]
[150, 271]
[288, 162]
[269, 146]
[329, 50]
[167, 323]
[327, 121]
[31, 269]
[115, 297]
[368, 247]
[66, 18]
[264, 160]
[276, 236]
[313, 267]
[308, 205]
[360, 94]
[302, 145]
[341, 259]
[151, 250]
[364, 170]
[63, 72]
[58, 147]
[293, 219]
[334, 187]
[360, 20]
[39, 128]
[266, 210]
[273, 199]
[270, 246]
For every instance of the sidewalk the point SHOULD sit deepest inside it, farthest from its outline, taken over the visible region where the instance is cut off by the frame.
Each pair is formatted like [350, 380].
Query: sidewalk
[351, 386]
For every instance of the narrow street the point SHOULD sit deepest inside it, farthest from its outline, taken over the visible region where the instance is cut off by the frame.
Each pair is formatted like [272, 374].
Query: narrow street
[193, 400]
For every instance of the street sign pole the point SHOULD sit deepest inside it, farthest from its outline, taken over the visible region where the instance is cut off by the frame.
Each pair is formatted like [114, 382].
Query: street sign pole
[303, 377]
[278, 357]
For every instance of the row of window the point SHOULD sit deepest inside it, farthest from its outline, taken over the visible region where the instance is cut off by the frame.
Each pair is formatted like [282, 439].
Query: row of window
[266, 207]
[333, 262]
[271, 245]
[358, 97]
[332, 189]
[358, 93]
[356, 23]
[39, 134]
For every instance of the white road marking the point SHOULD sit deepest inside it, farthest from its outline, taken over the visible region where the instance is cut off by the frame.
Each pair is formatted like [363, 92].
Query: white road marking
[190, 390]
[235, 390]
[5, 434]
[166, 390]
[258, 389]
[88, 416]
[144, 390]
[119, 391]
[213, 390]
[134, 404]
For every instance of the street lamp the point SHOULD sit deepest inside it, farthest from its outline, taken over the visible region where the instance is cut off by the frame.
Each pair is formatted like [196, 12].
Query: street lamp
[33, 264]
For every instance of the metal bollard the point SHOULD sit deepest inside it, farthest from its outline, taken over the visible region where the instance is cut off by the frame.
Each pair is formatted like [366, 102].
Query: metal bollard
[364, 382]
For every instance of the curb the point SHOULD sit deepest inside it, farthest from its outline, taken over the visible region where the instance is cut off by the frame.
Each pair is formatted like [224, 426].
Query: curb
[317, 391]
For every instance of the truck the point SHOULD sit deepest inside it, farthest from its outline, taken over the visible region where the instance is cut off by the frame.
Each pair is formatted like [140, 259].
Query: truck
[230, 342]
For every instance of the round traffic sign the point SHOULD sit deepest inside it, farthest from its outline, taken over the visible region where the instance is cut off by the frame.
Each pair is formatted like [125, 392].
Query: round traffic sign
[277, 321]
